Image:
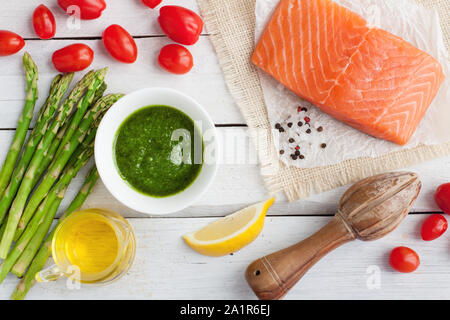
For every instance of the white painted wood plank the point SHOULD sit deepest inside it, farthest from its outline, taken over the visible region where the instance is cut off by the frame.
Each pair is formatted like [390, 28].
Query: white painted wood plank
[204, 83]
[239, 184]
[166, 268]
[131, 14]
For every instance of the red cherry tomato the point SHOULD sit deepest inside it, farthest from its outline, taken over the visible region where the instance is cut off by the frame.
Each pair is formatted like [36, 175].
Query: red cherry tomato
[180, 24]
[175, 59]
[73, 58]
[151, 3]
[44, 22]
[10, 43]
[442, 197]
[120, 44]
[404, 259]
[433, 227]
[89, 9]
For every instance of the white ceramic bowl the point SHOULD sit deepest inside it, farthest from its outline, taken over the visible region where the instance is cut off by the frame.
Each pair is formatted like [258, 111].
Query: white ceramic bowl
[104, 150]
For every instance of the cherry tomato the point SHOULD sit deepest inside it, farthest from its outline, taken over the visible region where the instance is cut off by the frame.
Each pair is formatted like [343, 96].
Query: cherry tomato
[433, 227]
[442, 197]
[89, 9]
[120, 44]
[180, 24]
[44, 22]
[404, 259]
[72, 58]
[151, 3]
[10, 43]
[176, 59]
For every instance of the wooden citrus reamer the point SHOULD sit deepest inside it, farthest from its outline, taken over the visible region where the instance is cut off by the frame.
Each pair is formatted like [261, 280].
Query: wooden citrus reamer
[369, 210]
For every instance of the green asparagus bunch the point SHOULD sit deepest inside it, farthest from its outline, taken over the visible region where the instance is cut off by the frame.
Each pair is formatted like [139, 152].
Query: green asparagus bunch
[37, 171]
[26, 186]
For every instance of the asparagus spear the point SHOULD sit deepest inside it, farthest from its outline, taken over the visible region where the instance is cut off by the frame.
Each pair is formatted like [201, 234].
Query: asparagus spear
[2, 229]
[85, 191]
[48, 208]
[49, 154]
[58, 164]
[45, 251]
[78, 117]
[59, 87]
[8, 262]
[7, 193]
[53, 88]
[26, 186]
[31, 75]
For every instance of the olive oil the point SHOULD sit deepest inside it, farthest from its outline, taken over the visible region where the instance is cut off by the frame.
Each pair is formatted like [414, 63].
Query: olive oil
[90, 242]
[92, 246]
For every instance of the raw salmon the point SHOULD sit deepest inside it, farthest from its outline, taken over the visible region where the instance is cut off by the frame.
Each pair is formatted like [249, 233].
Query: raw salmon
[366, 77]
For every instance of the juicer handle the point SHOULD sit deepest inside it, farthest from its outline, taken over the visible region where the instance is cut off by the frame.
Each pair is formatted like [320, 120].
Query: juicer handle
[51, 273]
[272, 276]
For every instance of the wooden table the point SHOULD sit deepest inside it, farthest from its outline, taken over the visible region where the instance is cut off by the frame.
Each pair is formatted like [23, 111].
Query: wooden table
[165, 267]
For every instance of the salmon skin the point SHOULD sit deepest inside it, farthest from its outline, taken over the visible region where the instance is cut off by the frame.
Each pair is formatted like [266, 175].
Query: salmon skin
[366, 77]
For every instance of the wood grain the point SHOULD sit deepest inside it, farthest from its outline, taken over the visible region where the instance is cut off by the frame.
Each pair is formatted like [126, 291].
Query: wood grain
[240, 184]
[166, 268]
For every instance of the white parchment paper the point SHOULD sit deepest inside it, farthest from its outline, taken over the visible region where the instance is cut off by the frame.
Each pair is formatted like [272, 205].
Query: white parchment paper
[334, 141]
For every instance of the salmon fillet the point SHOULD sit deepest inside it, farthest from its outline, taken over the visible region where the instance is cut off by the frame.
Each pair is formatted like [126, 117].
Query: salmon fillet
[366, 77]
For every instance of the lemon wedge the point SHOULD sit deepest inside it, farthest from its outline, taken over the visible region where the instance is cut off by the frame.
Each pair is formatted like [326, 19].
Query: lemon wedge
[230, 233]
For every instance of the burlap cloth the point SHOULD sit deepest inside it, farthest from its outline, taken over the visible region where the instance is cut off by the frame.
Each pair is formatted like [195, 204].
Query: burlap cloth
[231, 24]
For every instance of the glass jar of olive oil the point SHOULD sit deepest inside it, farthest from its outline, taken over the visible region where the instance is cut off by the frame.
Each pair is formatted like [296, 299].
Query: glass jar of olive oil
[94, 246]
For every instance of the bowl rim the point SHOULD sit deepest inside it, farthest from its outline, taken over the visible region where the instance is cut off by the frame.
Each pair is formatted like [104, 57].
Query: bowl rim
[105, 172]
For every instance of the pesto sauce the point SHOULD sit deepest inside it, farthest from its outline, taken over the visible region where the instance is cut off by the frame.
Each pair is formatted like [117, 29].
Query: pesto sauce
[150, 159]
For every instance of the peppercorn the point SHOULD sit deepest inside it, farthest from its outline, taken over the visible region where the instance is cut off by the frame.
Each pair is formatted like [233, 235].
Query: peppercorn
[323, 145]
[291, 140]
[300, 123]
[320, 129]
[308, 131]
[289, 124]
